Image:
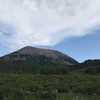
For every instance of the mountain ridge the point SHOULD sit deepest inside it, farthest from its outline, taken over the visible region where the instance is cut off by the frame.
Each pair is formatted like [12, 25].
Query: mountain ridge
[40, 60]
[33, 51]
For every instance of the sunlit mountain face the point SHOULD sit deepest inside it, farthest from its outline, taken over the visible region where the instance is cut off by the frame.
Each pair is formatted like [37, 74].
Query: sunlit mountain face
[45, 22]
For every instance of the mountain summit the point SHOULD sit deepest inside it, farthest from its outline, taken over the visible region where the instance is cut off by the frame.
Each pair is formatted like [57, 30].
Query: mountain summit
[51, 55]
[45, 61]
[36, 60]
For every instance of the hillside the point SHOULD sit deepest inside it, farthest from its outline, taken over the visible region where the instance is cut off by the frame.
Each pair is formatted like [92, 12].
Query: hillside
[45, 61]
[88, 66]
[36, 60]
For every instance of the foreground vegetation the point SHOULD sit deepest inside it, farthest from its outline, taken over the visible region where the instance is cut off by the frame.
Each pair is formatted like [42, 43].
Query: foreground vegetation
[49, 87]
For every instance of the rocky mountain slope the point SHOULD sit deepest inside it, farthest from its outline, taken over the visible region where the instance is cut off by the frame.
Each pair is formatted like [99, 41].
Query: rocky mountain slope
[45, 61]
[36, 60]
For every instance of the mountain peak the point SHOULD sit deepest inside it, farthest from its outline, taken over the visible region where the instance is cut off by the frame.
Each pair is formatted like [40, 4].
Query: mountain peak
[46, 54]
[37, 60]
[28, 48]
[52, 54]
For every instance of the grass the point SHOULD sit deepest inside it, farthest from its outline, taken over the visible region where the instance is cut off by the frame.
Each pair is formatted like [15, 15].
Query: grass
[15, 86]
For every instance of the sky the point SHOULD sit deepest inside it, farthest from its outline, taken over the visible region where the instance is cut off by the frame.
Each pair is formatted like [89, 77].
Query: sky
[71, 26]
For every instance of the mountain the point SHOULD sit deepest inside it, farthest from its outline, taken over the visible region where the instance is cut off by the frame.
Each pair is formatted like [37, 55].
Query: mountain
[88, 66]
[36, 60]
[45, 61]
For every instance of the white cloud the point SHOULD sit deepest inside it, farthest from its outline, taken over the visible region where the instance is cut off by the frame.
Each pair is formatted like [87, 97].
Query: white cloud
[45, 22]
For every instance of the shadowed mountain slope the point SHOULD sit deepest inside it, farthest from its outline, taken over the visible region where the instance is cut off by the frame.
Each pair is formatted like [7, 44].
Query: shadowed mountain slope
[88, 66]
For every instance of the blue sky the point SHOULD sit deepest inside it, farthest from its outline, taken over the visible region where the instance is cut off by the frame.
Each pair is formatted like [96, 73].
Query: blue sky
[82, 48]
[71, 26]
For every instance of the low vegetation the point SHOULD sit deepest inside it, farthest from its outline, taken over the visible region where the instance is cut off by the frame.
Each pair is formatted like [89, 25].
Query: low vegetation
[46, 87]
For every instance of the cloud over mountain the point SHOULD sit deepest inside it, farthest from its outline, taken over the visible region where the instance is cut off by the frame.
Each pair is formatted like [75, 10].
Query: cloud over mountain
[45, 22]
